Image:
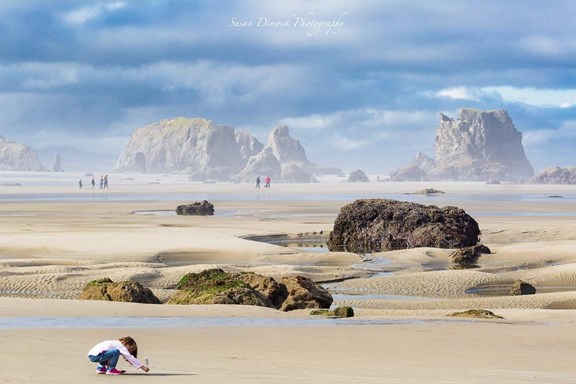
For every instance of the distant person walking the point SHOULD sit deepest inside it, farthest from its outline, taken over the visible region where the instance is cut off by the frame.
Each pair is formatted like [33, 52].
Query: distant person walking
[267, 182]
[106, 181]
[258, 182]
[101, 182]
[93, 182]
[80, 183]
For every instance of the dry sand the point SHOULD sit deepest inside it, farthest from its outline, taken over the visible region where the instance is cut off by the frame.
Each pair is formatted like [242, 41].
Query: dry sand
[50, 249]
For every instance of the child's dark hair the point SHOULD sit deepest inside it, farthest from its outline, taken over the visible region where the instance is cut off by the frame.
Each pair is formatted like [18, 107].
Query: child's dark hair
[130, 345]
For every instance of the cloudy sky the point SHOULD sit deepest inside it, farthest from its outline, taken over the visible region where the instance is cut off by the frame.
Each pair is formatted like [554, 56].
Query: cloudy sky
[359, 83]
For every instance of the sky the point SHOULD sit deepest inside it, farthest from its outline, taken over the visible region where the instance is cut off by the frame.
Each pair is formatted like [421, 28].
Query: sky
[361, 84]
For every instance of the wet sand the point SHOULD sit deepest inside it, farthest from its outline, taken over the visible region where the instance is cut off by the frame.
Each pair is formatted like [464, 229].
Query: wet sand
[49, 249]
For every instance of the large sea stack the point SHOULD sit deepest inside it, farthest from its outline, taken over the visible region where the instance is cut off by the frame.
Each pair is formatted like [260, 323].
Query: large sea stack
[478, 146]
[194, 146]
[18, 157]
[206, 151]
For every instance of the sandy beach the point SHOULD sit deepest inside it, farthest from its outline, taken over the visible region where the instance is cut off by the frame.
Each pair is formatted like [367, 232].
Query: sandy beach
[54, 238]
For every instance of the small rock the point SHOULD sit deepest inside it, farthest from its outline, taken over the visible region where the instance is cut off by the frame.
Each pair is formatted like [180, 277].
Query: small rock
[203, 208]
[337, 312]
[476, 313]
[520, 287]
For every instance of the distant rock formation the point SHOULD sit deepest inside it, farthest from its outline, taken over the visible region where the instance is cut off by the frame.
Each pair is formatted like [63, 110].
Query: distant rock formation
[18, 157]
[56, 166]
[357, 176]
[556, 175]
[295, 167]
[417, 171]
[211, 152]
[263, 163]
[329, 171]
[478, 146]
[195, 146]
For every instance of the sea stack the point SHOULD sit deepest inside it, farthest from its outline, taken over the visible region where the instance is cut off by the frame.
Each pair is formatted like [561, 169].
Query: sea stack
[477, 146]
[18, 157]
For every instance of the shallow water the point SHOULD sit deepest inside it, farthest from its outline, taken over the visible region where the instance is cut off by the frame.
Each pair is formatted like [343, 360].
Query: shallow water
[502, 289]
[171, 212]
[338, 297]
[106, 196]
[173, 322]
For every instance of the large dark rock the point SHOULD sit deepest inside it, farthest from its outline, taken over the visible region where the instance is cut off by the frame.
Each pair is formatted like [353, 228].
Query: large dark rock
[126, 291]
[374, 225]
[203, 208]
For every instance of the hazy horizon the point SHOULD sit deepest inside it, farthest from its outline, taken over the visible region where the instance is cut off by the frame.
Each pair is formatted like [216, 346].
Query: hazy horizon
[360, 85]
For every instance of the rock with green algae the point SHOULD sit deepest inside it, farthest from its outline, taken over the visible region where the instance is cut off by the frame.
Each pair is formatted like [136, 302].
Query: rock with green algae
[126, 291]
[477, 314]
[215, 286]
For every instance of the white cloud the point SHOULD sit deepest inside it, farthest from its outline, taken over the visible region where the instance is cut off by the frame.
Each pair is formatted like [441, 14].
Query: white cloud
[458, 93]
[115, 6]
[365, 127]
[371, 118]
[346, 143]
[315, 121]
[548, 46]
[81, 16]
[539, 97]
[565, 132]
